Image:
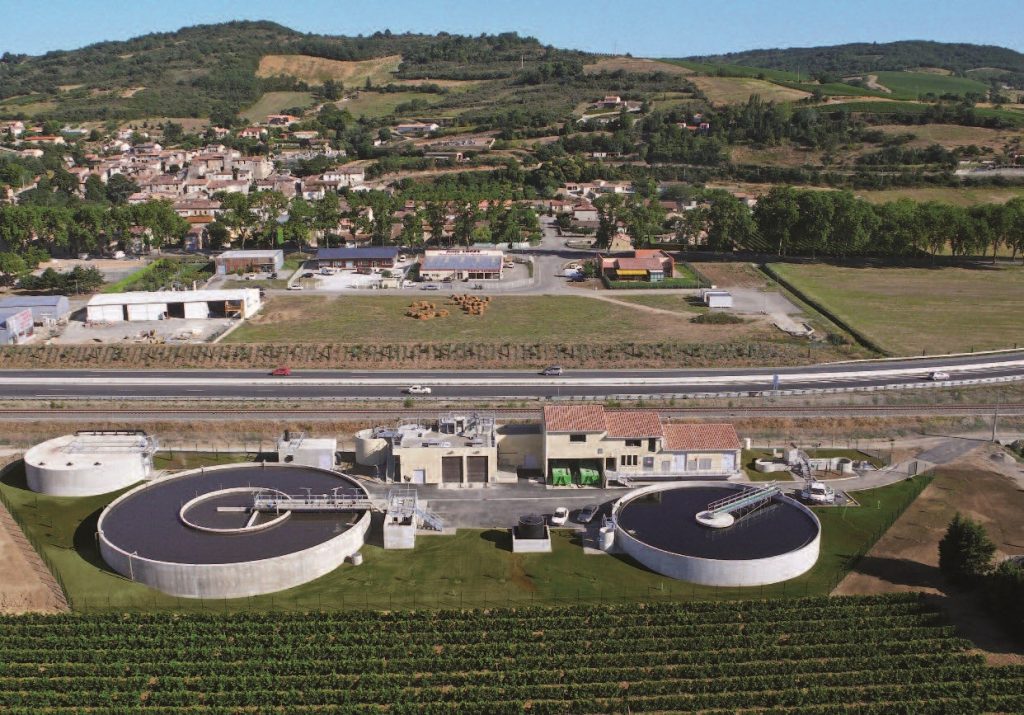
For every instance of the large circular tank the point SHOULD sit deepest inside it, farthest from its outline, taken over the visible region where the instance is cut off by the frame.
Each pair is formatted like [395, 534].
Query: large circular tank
[658, 527]
[195, 534]
[371, 448]
[89, 463]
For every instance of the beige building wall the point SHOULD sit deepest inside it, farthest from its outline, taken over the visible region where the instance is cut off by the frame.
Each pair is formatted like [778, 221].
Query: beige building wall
[429, 459]
[597, 446]
[524, 450]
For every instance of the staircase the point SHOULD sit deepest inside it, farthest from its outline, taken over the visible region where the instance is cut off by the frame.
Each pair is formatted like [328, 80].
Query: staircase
[429, 518]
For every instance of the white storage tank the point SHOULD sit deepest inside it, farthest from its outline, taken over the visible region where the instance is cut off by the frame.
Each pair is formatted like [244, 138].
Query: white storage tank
[88, 463]
[372, 447]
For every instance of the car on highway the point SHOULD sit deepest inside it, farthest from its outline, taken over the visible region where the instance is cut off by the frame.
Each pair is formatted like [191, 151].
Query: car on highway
[417, 390]
[588, 513]
[552, 370]
[938, 376]
[560, 516]
[429, 286]
[282, 371]
[295, 286]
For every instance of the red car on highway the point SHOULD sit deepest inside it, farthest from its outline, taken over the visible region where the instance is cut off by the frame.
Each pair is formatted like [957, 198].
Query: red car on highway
[282, 372]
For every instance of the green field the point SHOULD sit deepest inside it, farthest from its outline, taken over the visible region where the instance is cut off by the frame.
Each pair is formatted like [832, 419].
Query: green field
[274, 102]
[961, 196]
[882, 654]
[473, 568]
[379, 104]
[381, 319]
[910, 85]
[910, 311]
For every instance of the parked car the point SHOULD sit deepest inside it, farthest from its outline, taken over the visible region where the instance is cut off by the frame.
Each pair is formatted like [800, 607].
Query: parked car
[588, 513]
[418, 390]
[818, 493]
[560, 516]
[939, 376]
[282, 371]
[429, 286]
[552, 370]
[308, 274]
[295, 286]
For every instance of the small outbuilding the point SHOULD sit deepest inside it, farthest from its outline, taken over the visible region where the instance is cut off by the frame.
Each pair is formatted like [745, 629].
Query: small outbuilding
[269, 261]
[16, 325]
[462, 265]
[297, 448]
[717, 298]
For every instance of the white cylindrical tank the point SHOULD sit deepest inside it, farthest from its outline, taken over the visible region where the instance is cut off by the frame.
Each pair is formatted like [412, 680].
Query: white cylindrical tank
[370, 451]
[89, 463]
[844, 465]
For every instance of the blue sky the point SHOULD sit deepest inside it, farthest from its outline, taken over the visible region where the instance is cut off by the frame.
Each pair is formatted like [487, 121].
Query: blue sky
[653, 28]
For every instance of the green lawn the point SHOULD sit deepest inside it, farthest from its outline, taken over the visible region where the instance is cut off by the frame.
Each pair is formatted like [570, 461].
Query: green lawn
[473, 568]
[910, 85]
[675, 302]
[907, 311]
[543, 319]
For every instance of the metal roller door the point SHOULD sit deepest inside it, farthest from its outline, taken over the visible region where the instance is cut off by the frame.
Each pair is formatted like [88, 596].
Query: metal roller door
[451, 470]
[146, 311]
[476, 468]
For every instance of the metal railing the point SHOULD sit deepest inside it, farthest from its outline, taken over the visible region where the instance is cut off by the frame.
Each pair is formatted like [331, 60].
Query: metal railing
[749, 498]
[336, 501]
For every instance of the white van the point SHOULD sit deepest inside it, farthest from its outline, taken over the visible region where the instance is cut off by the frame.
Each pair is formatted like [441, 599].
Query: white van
[938, 376]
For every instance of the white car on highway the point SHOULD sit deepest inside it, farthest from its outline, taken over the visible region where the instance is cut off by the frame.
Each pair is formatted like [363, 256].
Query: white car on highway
[418, 390]
[938, 376]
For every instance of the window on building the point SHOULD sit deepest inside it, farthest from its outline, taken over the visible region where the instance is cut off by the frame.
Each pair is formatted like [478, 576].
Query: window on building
[648, 463]
[577, 438]
[609, 463]
[691, 465]
[704, 463]
[629, 460]
[652, 444]
[633, 442]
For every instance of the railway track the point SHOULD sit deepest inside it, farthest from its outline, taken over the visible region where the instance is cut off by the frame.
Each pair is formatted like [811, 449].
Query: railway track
[341, 413]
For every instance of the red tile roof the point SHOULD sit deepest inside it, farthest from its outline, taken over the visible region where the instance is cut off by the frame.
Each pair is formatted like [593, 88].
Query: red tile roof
[574, 418]
[682, 438]
[635, 424]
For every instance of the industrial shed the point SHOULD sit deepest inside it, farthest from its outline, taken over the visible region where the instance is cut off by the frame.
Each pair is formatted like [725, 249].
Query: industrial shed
[15, 325]
[46, 309]
[462, 265]
[356, 258]
[269, 261]
[160, 305]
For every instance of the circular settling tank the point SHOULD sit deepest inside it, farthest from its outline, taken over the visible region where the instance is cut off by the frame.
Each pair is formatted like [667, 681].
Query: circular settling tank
[659, 527]
[196, 535]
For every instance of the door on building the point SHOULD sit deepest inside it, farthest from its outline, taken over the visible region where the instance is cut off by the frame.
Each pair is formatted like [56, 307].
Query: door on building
[451, 470]
[531, 461]
[728, 462]
[476, 469]
[419, 476]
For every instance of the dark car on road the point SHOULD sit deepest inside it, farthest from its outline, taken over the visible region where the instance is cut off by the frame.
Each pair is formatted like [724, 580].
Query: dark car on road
[588, 513]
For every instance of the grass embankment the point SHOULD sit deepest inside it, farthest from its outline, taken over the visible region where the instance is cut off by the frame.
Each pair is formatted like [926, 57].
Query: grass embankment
[274, 102]
[163, 274]
[473, 568]
[910, 311]
[528, 319]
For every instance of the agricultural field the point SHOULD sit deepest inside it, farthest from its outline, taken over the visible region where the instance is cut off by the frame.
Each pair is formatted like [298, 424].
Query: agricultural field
[910, 311]
[883, 654]
[535, 319]
[315, 70]
[274, 102]
[910, 85]
[735, 90]
[782, 155]
[378, 104]
[965, 196]
[951, 136]
[473, 568]
[635, 64]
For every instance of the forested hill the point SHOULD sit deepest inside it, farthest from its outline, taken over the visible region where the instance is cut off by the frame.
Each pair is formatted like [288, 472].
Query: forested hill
[862, 57]
[206, 69]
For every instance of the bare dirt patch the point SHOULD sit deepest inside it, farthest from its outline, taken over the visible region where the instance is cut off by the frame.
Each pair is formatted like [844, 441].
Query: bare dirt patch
[906, 558]
[951, 136]
[733, 275]
[317, 69]
[785, 155]
[130, 92]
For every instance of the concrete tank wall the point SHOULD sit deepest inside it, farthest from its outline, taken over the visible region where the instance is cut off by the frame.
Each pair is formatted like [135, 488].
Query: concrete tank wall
[718, 572]
[370, 451]
[233, 580]
[48, 471]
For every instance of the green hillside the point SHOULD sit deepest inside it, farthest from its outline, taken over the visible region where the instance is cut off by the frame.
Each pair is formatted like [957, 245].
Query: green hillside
[212, 69]
[911, 85]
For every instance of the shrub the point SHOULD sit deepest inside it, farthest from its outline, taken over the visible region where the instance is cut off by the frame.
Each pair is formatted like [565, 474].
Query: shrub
[717, 319]
[1004, 594]
[965, 552]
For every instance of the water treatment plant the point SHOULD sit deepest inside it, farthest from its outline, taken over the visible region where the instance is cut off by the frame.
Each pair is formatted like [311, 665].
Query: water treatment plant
[234, 531]
[678, 530]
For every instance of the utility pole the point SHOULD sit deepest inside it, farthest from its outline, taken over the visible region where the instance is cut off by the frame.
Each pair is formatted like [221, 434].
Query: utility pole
[995, 418]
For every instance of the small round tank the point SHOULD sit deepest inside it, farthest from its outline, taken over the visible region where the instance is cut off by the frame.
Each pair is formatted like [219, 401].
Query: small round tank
[531, 526]
[370, 450]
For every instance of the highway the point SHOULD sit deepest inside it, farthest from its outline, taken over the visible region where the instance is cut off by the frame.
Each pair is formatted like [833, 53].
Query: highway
[480, 385]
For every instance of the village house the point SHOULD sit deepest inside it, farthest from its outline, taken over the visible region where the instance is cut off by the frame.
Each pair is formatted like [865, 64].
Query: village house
[652, 266]
[281, 120]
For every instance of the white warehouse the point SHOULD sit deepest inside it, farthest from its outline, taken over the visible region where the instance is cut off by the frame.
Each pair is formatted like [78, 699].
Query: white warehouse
[160, 305]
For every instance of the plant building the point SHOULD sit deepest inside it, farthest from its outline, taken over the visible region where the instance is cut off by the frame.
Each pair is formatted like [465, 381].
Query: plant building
[161, 305]
[269, 261]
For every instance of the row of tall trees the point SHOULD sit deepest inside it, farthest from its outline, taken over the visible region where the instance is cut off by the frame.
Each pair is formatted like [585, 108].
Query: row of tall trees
[791, 222]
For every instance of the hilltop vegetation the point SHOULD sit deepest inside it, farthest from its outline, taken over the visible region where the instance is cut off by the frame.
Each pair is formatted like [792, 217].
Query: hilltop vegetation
[864, 57]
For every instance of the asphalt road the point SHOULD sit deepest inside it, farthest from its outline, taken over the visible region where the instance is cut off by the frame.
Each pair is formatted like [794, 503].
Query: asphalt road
[228, 384]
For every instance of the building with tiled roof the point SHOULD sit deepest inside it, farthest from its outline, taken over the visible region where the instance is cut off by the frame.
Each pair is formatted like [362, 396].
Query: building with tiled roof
[581, 441]
[644, 265]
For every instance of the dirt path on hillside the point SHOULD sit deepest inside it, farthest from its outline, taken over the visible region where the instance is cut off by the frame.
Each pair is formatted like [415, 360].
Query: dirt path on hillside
[906, 558]
[26, 586]
[871, 82]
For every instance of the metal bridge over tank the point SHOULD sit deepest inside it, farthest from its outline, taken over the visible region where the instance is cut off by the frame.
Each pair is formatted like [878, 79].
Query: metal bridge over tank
[337, 500]
[112, 442]
[726, 512]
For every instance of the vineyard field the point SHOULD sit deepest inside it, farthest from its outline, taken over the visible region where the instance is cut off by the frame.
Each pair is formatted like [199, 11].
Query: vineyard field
[882, 654]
